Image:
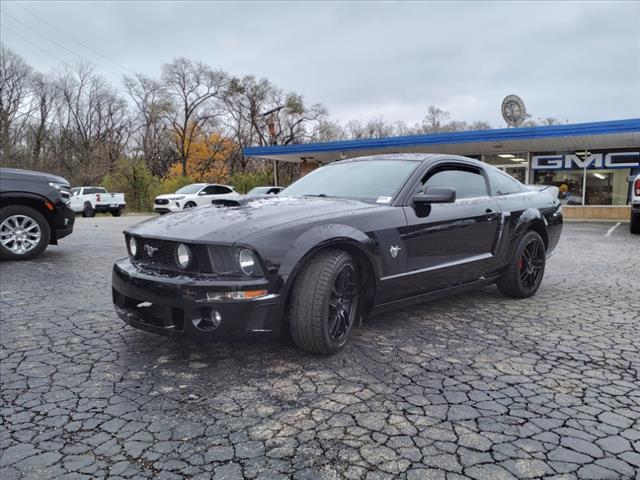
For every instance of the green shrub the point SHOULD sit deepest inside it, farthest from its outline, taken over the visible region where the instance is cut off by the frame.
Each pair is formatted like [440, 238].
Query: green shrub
[135, 180]
[243, 182]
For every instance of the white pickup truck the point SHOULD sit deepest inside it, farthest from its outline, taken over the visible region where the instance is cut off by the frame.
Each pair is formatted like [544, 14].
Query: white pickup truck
[635, 205]
[90, 200]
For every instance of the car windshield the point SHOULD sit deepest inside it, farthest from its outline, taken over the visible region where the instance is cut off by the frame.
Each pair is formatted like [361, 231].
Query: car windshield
[368, 180]
[190, 189]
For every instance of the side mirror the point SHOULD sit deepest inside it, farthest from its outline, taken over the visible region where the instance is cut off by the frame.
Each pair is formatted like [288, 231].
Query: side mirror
[435, 195]
[202, 192]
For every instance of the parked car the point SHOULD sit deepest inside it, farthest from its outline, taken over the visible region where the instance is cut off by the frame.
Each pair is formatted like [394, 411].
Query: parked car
[264, 191]
[634, 224]
[34, 212]
[92, 200]
[194, 195]
[348, 239]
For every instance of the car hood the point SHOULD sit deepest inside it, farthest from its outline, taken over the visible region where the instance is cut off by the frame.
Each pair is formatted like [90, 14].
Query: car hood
[38, 176]
[230, 224]
[170, 195]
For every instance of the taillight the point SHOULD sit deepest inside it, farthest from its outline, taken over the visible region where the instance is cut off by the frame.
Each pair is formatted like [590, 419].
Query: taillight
[97, 197]
[637, 187]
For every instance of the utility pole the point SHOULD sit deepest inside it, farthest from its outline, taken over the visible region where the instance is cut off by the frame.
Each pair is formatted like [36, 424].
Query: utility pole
[273, 140]
[584, 177]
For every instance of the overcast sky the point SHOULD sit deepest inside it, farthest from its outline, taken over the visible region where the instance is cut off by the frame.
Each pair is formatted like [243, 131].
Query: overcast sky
[573, 61]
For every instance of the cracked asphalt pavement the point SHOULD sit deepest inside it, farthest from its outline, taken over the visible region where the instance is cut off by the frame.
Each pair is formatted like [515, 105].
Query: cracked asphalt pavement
[469, 386]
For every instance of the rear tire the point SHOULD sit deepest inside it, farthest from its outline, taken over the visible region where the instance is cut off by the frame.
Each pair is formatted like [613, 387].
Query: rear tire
[634, 224]
[88, 210]
[31, 240]
[525, 271]
[325, 302]
[116, 213]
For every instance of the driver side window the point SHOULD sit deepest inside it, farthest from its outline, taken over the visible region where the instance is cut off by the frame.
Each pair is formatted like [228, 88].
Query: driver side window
[468, 182]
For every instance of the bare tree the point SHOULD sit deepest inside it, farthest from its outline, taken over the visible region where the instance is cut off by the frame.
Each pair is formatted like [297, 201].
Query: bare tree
[246, 100]
[15, 106]
[152, 133]
[93, 124]
[327, 131]
[434, 121]
[43, 98]
[193, 89]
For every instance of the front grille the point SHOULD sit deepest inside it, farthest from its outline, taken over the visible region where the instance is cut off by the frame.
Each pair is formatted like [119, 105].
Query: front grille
[161, 254]
[161, 201]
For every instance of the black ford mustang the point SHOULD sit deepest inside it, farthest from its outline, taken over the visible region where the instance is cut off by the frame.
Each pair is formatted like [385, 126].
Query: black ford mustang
[351, 238]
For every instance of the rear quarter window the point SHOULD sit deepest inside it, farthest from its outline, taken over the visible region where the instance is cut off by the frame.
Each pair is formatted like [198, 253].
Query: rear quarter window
[502, 183]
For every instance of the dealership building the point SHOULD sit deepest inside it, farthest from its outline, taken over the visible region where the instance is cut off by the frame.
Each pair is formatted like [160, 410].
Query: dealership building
[592, 163]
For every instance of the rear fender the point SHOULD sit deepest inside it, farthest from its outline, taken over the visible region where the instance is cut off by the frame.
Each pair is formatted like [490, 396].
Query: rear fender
[531, 219]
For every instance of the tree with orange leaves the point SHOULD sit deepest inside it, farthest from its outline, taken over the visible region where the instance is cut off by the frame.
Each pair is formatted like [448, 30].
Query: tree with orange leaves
[208, 159]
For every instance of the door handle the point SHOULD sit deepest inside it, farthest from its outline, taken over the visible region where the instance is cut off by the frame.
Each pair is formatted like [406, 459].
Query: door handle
[491, 214]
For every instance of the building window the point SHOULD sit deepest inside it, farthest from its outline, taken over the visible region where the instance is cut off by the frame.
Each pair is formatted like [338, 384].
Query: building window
[515, 164]
[603, 187]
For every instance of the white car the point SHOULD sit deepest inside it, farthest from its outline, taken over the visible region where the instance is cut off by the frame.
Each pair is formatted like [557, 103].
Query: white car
[90, 200]
[635, 205]
[194, 195]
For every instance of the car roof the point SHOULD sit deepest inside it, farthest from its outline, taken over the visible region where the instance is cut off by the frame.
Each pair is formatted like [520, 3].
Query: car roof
[414, 157]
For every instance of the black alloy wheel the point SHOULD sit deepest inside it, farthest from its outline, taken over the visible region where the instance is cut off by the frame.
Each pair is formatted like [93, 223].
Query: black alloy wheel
[525, 271]
[531, 264]
[342, 303]
[324, 302]
[189, 205]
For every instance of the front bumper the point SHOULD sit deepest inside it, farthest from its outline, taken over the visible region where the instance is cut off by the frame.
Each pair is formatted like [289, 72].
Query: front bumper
[64, 220]
[172, 206]
[179, 305]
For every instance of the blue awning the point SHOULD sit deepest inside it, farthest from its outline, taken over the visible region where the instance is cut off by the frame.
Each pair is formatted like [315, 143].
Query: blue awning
[594, 135]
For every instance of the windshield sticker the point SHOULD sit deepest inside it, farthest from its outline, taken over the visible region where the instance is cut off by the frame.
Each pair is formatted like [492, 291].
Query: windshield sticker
[383, 200]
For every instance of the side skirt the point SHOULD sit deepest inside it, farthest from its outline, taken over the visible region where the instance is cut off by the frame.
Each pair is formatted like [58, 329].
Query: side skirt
[423, 297]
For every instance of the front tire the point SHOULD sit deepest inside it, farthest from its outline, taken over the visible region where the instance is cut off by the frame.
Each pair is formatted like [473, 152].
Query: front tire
[189, 205]
[325, 302]
[634, 224]
[524, 273]
[24, 233]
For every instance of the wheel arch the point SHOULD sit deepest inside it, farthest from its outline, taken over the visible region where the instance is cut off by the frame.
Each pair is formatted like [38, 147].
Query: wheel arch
[321, 238]
[532, 220]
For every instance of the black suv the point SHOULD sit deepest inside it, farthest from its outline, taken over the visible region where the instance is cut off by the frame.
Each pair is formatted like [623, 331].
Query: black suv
[34, 212]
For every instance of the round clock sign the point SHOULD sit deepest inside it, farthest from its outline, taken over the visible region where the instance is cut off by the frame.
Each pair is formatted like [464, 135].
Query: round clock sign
[513, 110]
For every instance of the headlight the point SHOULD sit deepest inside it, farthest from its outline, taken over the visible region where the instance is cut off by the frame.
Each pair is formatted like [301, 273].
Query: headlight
[183, 256]
[230, 261]
[247, 261]
[58, 186]
[133, 246]
[176, 198]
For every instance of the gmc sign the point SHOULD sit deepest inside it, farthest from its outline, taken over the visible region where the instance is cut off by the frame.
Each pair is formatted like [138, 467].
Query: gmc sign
[590, 161]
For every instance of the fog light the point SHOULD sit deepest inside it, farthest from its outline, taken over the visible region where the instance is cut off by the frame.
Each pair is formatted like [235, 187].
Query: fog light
[207, 319]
